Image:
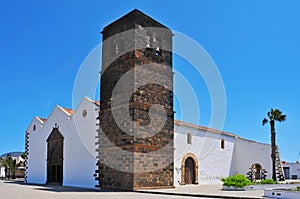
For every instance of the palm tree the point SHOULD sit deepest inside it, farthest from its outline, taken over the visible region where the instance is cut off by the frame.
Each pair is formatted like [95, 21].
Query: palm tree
[10, 166]
[24, 155]
[273, 115]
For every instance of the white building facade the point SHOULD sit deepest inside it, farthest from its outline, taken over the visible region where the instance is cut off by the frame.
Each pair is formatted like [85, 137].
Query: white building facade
[201, 155]
[291, 170]
[2, 172]
[79, 163]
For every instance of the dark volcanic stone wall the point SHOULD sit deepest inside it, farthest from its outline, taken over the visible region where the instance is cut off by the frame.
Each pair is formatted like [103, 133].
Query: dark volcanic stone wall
[136, 118]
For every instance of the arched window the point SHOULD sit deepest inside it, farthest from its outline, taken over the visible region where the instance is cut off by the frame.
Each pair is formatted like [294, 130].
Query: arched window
[189, 138]
[222, 144]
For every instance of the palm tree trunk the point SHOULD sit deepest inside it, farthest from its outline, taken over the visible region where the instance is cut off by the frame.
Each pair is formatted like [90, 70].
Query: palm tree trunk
[273, 148]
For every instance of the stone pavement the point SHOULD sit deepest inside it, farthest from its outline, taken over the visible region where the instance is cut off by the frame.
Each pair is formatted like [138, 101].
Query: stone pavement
[211, 191]
[19, 190]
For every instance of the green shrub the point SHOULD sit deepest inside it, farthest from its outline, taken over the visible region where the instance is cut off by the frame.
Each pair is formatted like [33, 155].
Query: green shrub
[268, 181]
[237, 181]
[298, 188]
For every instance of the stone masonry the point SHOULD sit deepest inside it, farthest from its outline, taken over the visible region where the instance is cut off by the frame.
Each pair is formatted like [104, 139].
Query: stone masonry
[136, 117]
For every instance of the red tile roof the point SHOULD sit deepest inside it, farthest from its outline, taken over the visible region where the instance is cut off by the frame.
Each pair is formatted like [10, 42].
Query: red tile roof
[44, 120]
[69, 111]
[96, 102]
[204, 128]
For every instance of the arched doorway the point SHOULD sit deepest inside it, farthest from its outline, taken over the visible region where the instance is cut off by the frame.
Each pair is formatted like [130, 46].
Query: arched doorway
[189, 169]
[55, 145]
[256, 170]
[189, 166]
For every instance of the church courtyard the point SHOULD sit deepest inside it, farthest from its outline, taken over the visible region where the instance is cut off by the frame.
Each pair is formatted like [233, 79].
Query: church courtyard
[19, 190]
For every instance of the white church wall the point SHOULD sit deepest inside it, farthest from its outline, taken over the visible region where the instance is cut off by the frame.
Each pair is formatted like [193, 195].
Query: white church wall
[79, 131]
[37, 158]
[80, 154]
[247, 153]
[36, 172]
[79, 162]
[214, 162]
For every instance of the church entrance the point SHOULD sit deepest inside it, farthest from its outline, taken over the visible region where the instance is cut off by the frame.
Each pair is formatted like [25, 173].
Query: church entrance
[189, 169]
[55, 145]
[189, 166]
[256, 169]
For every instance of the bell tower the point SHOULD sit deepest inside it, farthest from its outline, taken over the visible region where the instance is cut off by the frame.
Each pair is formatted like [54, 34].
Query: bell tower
[136, 117]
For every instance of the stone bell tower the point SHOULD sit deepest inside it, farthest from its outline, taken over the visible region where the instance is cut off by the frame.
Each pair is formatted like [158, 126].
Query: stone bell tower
[136, 117]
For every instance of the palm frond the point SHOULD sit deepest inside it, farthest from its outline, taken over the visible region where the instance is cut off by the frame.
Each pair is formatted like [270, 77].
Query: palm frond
[281, 118]
[278, 116]
[269, 114]
[265, 121]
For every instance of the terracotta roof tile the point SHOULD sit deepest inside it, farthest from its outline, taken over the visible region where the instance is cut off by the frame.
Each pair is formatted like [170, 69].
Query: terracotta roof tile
[96, 102]
[44, 120]
[203, 128]
[69, 111]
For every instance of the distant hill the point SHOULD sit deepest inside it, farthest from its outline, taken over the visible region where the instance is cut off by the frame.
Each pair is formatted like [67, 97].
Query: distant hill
[12, 154]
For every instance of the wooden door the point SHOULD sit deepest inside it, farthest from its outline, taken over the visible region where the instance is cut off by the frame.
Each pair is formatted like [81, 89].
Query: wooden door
[189, 173]
[55, 157]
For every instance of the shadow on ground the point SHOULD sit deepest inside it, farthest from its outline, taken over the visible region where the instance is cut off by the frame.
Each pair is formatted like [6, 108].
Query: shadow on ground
[58, 188]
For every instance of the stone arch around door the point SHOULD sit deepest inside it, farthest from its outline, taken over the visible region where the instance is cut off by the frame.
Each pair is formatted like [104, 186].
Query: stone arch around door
[257, 171]
[55, 151]
[189, 169]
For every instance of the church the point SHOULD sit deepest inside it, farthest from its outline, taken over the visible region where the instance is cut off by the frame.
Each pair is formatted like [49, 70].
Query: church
[129, 139]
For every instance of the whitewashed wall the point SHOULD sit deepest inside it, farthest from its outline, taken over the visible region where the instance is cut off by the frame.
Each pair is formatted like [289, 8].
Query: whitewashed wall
[79, 154]
[214, 162]
[36, 168]
[80, 164]
[2, 172]
[294, 169]
[247, 153]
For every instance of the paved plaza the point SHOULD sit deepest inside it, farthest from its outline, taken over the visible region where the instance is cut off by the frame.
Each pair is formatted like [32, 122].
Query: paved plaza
[19, 190]
[12, 190]
[212, 191]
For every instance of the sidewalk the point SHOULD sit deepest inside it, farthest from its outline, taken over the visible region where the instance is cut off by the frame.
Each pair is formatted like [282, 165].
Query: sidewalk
[208, 191]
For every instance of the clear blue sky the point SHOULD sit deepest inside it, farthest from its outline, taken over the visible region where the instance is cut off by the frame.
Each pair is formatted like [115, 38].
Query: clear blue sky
[255, 45]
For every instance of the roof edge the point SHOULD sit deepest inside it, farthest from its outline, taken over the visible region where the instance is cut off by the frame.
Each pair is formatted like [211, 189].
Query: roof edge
[134, 11]
[204, 128]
